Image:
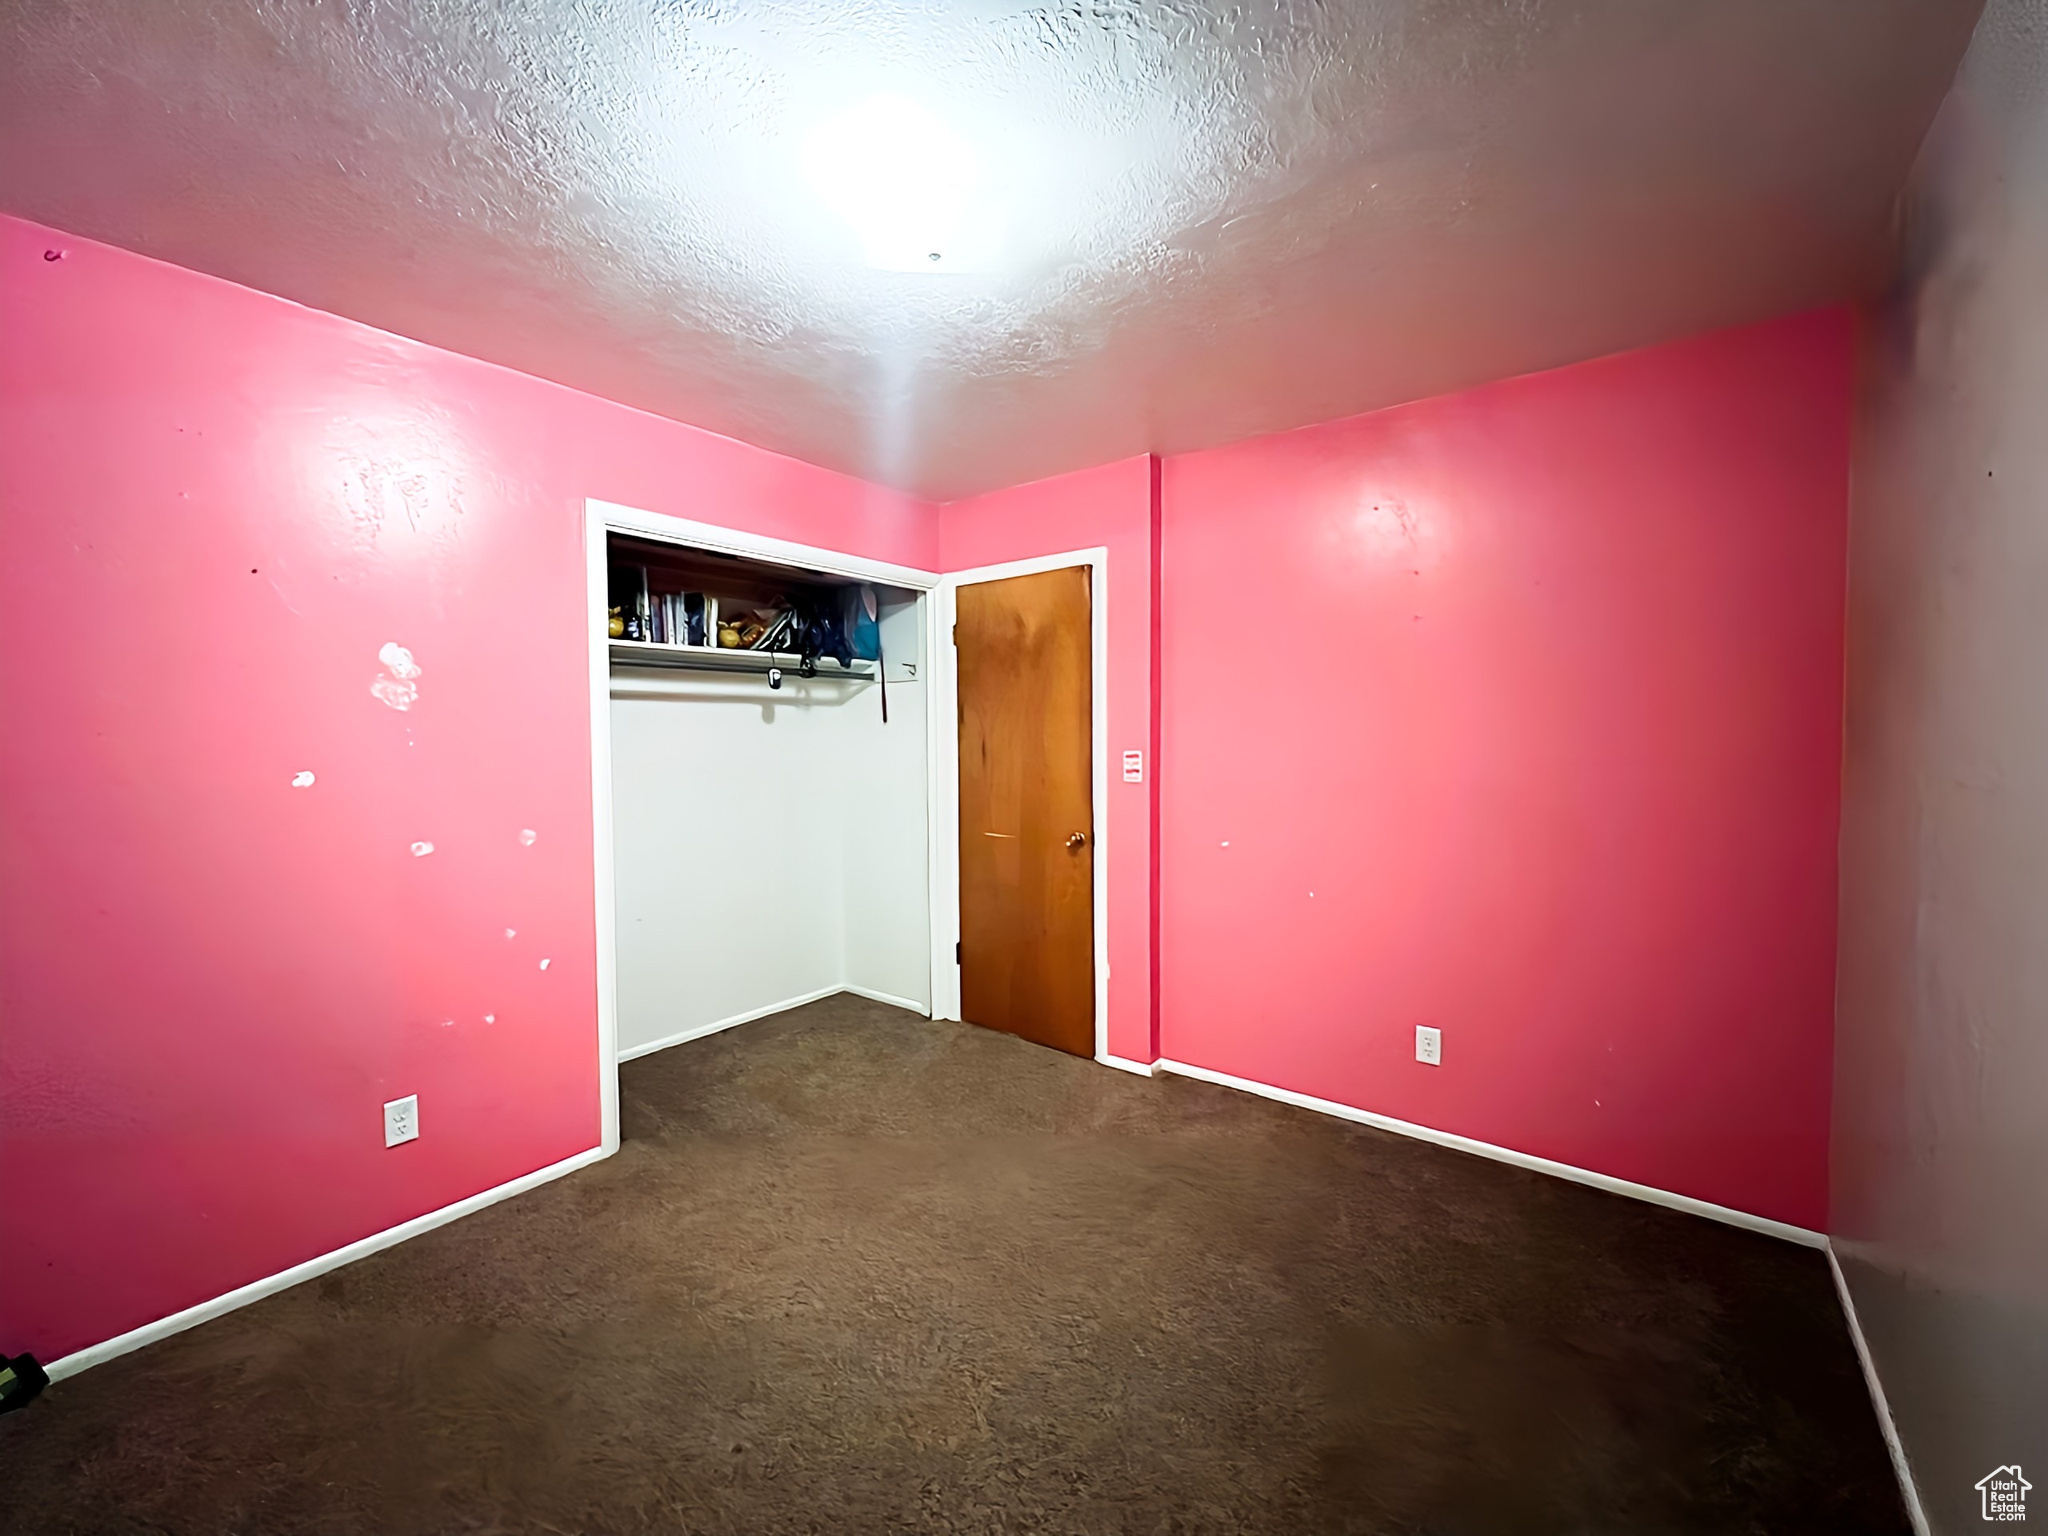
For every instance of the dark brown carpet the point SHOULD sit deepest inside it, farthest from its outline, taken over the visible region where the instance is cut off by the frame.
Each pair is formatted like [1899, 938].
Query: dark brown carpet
[858, 1272]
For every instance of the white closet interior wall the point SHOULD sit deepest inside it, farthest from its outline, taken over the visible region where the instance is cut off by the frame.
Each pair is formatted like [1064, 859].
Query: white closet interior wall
[769, 845]
[884, 823]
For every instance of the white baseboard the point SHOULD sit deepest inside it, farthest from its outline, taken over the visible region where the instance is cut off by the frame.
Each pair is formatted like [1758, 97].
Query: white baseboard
[1908, 1489]
[270, 1285]
[1124, 1063]
[699, 1031]
[1664, 1197]
[888, 997]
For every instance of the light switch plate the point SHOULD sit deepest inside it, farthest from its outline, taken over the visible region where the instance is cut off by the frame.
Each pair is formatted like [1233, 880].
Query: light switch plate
[402, 1120]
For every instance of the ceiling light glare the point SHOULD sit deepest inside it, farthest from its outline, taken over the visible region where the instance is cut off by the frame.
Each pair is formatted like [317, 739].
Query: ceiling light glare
[910, 187]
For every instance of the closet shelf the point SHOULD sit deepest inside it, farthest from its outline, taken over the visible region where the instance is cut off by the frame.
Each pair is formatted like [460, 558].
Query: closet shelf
[645, 653]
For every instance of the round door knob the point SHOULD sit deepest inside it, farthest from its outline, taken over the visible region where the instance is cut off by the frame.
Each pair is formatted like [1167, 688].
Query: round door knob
[1078, 840]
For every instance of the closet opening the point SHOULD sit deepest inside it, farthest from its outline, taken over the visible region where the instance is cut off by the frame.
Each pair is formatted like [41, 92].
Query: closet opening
[765, 822]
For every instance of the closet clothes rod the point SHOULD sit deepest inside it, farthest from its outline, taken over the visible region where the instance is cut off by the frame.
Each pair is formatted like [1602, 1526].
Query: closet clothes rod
[704, 658]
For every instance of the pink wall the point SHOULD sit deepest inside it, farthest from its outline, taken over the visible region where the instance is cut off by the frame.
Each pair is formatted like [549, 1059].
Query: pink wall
[1537, 688]
[1110, 506]
[215, 508]
[1518, 713]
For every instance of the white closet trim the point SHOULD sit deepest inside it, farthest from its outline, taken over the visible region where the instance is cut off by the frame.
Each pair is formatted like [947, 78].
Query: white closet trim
[756, 546]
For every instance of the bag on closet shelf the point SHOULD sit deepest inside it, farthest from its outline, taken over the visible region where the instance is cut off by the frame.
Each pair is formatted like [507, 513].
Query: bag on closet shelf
[774, 630]
[818, 631]
[862, 622]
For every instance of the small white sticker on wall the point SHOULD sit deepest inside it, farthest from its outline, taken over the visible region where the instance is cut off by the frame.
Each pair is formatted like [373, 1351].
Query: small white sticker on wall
[526, 837]
[544, 965]
[1134, 767]
[303, 779]
[421, 850]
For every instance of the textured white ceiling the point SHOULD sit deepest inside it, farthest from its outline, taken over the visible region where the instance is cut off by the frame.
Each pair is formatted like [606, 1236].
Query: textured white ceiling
[1203, 220]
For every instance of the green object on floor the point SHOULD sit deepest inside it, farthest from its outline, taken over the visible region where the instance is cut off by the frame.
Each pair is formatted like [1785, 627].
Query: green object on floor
[21, 1381]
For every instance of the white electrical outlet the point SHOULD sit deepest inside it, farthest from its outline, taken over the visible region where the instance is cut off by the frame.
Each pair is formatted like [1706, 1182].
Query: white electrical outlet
[402, 1120]
[1429, 1044]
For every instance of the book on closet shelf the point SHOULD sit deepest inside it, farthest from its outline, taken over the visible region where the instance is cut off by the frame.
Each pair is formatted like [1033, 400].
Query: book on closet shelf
[679, 618]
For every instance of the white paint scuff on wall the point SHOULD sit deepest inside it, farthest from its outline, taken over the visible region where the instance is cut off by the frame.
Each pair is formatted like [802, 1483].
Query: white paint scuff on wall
[421, 850]
[401, 690]
[526, 837]
[398, 660]
[303, 779]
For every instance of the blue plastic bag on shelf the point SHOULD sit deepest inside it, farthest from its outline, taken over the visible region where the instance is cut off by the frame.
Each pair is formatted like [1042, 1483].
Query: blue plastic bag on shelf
[863, 623]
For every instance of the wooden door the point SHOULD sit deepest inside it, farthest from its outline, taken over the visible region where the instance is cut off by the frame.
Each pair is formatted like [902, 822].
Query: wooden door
[1027, 826]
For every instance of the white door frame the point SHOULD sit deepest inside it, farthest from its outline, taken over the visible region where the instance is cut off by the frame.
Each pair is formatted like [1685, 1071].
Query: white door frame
[945, 792]
[603, 517]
